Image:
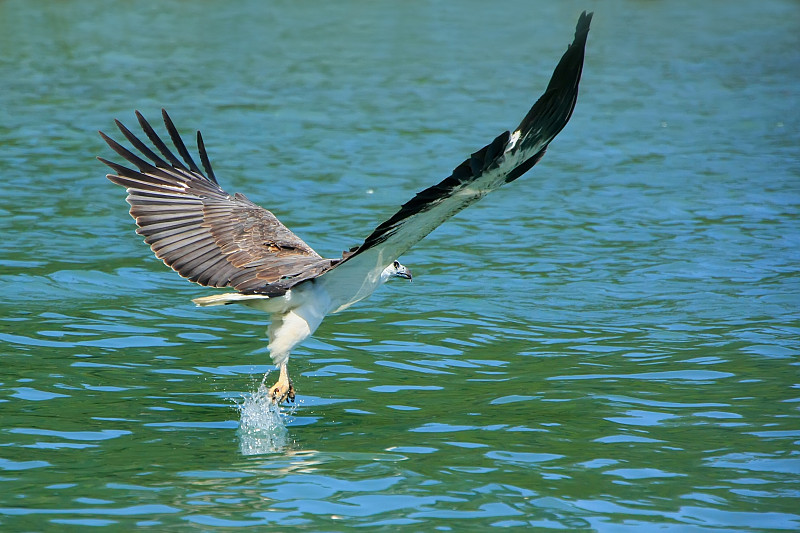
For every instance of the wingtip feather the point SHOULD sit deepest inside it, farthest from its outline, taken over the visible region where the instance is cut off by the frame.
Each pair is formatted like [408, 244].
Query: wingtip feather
[178, 142]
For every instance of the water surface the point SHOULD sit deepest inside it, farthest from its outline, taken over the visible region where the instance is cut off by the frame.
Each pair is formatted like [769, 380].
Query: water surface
[610, 343]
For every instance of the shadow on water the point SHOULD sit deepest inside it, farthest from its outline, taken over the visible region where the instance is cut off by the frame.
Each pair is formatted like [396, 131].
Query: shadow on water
[262, 424]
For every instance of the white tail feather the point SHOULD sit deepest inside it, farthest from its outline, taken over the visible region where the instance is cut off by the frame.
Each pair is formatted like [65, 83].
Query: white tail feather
[229, 298]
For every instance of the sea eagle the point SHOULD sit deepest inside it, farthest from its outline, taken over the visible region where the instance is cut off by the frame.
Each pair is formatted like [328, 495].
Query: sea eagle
[218, 239]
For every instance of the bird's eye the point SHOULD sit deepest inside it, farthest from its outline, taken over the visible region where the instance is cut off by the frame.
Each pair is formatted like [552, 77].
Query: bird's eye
[397, 264]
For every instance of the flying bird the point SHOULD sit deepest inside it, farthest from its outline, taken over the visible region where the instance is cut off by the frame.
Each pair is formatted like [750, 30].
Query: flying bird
[218, 239]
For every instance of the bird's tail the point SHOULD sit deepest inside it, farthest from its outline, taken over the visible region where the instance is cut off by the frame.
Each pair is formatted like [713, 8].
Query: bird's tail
[228, 298]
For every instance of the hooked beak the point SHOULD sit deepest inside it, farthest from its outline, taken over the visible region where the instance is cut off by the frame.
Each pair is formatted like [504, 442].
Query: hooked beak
[404, 273]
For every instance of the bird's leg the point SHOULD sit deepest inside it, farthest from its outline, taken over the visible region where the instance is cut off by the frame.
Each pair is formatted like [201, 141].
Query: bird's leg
[283, 389]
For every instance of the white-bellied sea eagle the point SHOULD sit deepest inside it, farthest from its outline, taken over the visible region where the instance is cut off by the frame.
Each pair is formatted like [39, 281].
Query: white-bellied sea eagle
[218, 239]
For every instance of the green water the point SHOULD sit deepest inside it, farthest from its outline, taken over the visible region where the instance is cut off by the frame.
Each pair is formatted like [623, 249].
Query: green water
[610, 343]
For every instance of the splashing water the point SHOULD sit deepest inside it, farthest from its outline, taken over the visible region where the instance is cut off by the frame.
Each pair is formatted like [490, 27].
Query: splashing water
[262, 426]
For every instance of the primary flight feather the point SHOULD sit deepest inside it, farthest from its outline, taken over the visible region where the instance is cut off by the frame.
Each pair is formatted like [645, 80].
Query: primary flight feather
[221, 240]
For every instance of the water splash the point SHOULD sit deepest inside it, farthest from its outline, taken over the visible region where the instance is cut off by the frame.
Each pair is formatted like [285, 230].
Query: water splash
[262, 425]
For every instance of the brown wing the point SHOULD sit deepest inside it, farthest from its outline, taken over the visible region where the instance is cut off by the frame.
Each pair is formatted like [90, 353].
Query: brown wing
[199, 230]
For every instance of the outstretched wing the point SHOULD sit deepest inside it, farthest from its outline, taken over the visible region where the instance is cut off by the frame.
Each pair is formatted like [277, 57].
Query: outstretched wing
[200, 231]
[502, 161]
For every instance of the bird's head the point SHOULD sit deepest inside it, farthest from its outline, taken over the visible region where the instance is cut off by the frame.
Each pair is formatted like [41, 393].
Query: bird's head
[395, 270]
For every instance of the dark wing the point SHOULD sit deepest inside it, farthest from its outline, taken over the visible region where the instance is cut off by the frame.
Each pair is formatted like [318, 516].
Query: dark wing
[202, 232]
[505, 159]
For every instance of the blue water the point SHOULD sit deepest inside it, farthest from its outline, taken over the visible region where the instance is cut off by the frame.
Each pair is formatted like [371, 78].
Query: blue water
[610, 343]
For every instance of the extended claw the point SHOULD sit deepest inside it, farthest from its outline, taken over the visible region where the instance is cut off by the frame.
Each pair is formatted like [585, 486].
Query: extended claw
[283, 390]
[288, 396]
[280, 394]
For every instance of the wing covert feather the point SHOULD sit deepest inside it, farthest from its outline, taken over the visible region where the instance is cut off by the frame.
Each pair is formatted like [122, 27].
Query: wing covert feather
[198, 229]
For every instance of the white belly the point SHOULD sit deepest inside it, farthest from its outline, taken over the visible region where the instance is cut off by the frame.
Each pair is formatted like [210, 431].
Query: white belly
[294, 316]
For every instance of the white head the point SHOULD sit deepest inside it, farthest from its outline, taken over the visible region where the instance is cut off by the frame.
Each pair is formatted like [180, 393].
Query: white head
[395, 270]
